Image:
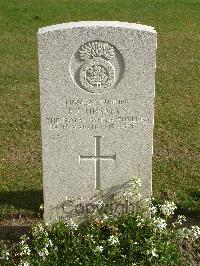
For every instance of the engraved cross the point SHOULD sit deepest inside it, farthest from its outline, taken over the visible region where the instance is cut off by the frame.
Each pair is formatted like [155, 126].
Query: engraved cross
[97, 159]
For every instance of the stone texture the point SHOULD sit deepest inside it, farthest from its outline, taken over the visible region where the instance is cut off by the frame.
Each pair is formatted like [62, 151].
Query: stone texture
[97, 84]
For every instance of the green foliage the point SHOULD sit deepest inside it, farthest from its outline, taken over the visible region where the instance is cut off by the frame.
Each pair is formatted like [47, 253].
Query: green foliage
[112, 242]
[125, 240]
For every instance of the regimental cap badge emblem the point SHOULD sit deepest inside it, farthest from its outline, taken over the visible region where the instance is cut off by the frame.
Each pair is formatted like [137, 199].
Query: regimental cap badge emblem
[97, 73]
[97, 66]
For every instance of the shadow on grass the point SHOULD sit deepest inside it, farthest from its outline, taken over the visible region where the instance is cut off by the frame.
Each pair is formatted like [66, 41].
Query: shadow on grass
[194, 201]
[195, 194]
[25, 199]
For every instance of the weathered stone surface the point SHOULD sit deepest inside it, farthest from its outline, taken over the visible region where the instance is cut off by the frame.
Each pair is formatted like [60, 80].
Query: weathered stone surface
[97, 100]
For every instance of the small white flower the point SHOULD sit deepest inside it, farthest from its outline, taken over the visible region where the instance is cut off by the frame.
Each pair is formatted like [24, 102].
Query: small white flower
[38, 230]
[50, 243]
[99, 203]
[46, 252]
[136, 182]
[168, 208]
[41, 207]
[153, 252]
[6, 255]
[113, 240]
[179, 221]
[43, 253]
[73, 224]
[140, 221]
[195, 232]
[128, 194]
[99, 249]
[181, 218]
[22, 242]
[24, 263]
[159, 223]
[153, 210]
[25, 250]
[91, 238]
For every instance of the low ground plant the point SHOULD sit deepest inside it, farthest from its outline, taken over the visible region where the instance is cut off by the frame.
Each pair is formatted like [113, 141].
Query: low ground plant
[144, 237]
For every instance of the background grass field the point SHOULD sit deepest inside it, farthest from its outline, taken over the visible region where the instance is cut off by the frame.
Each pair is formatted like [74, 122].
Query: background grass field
[177, 104]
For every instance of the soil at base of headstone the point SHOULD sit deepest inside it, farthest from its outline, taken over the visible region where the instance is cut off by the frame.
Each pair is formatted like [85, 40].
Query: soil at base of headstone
[15, 226]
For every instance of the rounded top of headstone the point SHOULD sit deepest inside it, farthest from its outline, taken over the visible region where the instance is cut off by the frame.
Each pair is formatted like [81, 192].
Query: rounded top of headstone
[93, 24]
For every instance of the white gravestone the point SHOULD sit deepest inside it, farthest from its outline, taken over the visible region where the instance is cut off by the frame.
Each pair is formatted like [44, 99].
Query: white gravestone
[97, 83]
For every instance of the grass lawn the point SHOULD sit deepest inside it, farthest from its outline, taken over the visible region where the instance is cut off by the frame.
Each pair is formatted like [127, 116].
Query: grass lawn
[176, 170]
